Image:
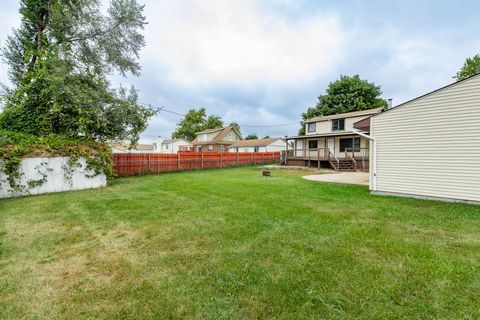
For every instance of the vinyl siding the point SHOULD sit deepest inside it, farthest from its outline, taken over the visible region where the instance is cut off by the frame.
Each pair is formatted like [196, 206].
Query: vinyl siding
[431, 146]
[326, 125]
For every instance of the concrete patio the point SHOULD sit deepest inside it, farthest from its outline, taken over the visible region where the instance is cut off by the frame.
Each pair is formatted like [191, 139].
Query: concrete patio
[359, 178]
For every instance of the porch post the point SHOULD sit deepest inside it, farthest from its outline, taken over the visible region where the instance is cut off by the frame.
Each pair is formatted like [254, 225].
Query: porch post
[286, 150]
[318, 157]
[304, 147]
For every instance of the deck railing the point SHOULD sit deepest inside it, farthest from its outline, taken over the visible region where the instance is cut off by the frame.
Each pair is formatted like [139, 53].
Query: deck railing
[325, 153]
[357, 153]
[313, 154]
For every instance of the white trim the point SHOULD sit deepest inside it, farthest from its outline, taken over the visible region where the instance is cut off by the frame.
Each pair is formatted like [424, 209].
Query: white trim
[374, 156]
[422, 197]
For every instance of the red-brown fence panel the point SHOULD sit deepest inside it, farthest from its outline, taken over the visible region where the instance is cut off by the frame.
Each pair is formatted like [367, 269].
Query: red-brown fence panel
[129, 164]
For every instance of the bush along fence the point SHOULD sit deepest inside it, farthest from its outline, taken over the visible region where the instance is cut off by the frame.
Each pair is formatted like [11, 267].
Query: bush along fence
[129, 164]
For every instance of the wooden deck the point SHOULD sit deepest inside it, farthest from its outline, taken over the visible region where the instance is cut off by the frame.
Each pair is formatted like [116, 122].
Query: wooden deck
[349, 160]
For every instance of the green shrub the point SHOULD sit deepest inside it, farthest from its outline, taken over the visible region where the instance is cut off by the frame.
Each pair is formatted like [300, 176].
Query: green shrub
[15, 146]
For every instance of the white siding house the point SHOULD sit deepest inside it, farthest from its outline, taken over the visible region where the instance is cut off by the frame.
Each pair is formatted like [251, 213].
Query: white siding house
[259, 145]
[171, 145]
[330, 142]
[430, 146]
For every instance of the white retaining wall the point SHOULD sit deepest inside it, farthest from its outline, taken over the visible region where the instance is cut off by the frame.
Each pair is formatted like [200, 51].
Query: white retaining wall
[58, 177]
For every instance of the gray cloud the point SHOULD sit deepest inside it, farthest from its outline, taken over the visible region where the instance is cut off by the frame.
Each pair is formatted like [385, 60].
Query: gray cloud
[265, 62]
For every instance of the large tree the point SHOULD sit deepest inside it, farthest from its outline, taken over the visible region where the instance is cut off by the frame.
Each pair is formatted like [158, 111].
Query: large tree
[470, 68]
[59, 61]
[251, 136]
[346, 94]
[196, 121]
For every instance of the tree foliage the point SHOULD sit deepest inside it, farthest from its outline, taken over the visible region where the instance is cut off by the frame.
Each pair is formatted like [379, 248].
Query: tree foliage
[470, 68]
[59, 60]
[346, 94]
[251, 136]
[196, 121]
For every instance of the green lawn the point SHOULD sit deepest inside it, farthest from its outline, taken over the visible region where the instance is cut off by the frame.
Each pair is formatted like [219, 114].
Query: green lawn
[230, 244]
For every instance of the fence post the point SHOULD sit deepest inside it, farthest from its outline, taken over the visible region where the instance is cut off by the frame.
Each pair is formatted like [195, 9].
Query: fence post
[238, 159]
[202, 160]
[148, 163]
[178, 161]
[221, 159]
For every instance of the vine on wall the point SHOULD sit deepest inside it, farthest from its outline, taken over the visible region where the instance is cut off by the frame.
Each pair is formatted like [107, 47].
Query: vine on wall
[14, 147]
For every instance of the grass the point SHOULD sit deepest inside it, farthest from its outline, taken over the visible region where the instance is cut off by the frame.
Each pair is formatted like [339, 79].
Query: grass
[229, 244]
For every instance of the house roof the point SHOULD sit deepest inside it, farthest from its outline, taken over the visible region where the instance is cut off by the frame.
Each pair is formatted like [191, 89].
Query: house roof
[347, 115]
[209, 130]
[139, 146]
[218, 139]
[254, 143]
[174, 140]
[363, 124]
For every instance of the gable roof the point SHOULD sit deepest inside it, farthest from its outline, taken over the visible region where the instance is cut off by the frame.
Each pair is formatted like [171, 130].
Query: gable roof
[209, 130]
[367, 112]
[218, 139]
[254, 143]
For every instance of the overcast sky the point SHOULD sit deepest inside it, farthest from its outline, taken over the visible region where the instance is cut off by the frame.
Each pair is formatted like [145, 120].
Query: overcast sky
[264, 62]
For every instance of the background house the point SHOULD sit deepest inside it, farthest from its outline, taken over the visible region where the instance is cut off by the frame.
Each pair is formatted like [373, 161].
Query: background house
[430, 146]
[259, 145]
[139, 148]
[216, 139]
[172, 145]
[330, 142]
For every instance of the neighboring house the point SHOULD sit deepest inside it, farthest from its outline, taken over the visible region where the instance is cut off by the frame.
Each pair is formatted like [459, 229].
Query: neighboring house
[430, 146]
[330, 142]
[259, 145]
[139, 148]
[172, 145]
[216, 139]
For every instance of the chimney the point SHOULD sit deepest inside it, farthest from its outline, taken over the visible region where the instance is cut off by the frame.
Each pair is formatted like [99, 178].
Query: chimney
[390, 104]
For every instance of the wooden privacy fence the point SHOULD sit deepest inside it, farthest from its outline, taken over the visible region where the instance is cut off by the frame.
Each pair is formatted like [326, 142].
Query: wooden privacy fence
[129, 164]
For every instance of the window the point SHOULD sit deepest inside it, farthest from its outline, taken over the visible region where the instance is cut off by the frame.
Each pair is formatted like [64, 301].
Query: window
[166, 146]
[255, 149]
[312, 144]
[356, 144]
[312, 126]
[222, 148]
[338, 124]
[210, 147]
[199, 149]
[345, 143]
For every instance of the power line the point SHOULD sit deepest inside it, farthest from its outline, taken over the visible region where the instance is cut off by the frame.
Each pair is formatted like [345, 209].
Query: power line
[164, 109]
[271, 125]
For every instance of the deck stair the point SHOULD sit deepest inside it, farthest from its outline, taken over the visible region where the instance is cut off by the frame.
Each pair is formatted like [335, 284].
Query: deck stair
[346, 165]
[334, 163]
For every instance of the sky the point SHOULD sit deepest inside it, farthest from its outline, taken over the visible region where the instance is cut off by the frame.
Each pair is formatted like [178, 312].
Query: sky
[261, 63]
